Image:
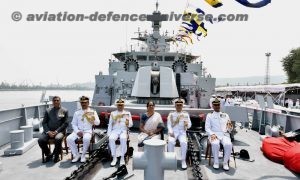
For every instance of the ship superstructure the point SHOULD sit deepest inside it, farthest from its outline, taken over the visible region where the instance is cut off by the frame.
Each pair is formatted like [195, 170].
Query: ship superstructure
[154, 72]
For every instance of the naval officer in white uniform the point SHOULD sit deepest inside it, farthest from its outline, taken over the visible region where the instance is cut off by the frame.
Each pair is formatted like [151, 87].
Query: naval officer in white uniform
[178, 122]
[218, 126]
[119, 122]
[83, 121]
[297, 104]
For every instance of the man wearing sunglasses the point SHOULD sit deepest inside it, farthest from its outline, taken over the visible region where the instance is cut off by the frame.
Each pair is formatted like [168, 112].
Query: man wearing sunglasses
[178, 122]
[119, 122]
[54, 124]
[218, 127]
[82, 123]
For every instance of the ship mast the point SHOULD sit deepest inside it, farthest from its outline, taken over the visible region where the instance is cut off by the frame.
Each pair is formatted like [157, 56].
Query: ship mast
[156, 18]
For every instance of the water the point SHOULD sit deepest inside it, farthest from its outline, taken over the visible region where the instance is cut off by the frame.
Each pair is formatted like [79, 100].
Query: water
[15, 99]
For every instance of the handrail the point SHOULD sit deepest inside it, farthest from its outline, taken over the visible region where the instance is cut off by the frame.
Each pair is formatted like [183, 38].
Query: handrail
[18, 117]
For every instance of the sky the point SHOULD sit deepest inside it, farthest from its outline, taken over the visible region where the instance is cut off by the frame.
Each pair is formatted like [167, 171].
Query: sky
[74, 52]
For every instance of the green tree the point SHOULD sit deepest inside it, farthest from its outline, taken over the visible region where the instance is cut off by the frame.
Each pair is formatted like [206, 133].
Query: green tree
[291, 65]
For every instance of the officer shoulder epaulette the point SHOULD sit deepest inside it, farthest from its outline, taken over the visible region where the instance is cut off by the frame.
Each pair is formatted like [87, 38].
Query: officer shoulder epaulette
[223, 115]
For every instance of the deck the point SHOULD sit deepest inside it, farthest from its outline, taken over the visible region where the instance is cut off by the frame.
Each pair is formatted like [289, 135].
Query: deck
[29, 165]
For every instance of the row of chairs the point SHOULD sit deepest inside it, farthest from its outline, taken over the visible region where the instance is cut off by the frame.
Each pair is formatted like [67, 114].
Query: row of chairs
[79, 143]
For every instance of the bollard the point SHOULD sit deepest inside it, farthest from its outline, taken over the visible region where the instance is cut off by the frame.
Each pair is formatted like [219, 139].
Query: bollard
[36, 123]
[16, 139]
[1, 166]
[154, 160]
[27, 133]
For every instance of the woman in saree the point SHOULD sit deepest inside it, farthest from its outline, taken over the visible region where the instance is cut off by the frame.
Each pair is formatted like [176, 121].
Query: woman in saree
[151, 124]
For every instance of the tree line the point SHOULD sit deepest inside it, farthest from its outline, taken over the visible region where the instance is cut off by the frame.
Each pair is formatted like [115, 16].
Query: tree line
[291, 65]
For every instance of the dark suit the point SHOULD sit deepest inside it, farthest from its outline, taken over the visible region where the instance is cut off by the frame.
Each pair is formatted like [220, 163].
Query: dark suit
[55, 119]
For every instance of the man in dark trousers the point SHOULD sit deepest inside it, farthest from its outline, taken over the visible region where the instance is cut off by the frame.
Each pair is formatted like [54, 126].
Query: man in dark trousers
[55, 123]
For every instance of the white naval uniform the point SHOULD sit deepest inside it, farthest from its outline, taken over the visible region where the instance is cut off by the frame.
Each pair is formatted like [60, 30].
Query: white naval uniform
[80, 123]
[216, 123]
[222, 103]
[179, 131]
[290, 103]
[118, 129]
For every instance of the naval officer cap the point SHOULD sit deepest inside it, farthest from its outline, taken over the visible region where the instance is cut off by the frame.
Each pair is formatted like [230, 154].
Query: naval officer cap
[216, 102]
[120, 102]
[84, 99]
[179, 101]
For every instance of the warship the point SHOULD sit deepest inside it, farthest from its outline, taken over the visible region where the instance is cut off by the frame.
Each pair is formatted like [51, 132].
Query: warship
[154, 73]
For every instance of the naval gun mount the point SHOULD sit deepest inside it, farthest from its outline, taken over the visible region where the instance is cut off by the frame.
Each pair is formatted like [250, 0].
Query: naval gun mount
[156, 83]
[152, 71]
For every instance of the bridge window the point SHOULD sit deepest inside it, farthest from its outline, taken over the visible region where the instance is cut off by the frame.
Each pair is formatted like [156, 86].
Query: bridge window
[141, 58]
[169, 58]
[155, 58]
[152, 58]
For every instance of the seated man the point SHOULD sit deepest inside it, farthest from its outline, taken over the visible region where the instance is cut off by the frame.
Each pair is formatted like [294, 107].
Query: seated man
[54, 123]
[150, 124]
[83, 121]
[119, 122]
[218, 126]
[178, 122]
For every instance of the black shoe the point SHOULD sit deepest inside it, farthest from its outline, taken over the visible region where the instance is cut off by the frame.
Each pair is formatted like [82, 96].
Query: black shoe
[49, 158]
[121, 172]
[56, 158]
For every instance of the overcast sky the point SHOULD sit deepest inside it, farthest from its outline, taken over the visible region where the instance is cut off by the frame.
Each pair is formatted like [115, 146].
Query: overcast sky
[70, 52]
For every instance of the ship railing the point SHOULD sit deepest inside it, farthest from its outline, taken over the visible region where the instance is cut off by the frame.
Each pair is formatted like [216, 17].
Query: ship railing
[13, 119]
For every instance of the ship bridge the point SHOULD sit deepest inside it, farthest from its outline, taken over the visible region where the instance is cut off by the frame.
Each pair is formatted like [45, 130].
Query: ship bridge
[177, 73]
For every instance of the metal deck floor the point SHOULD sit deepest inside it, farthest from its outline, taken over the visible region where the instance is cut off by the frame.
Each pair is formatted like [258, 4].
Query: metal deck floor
[179, 174]
[30, 166]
